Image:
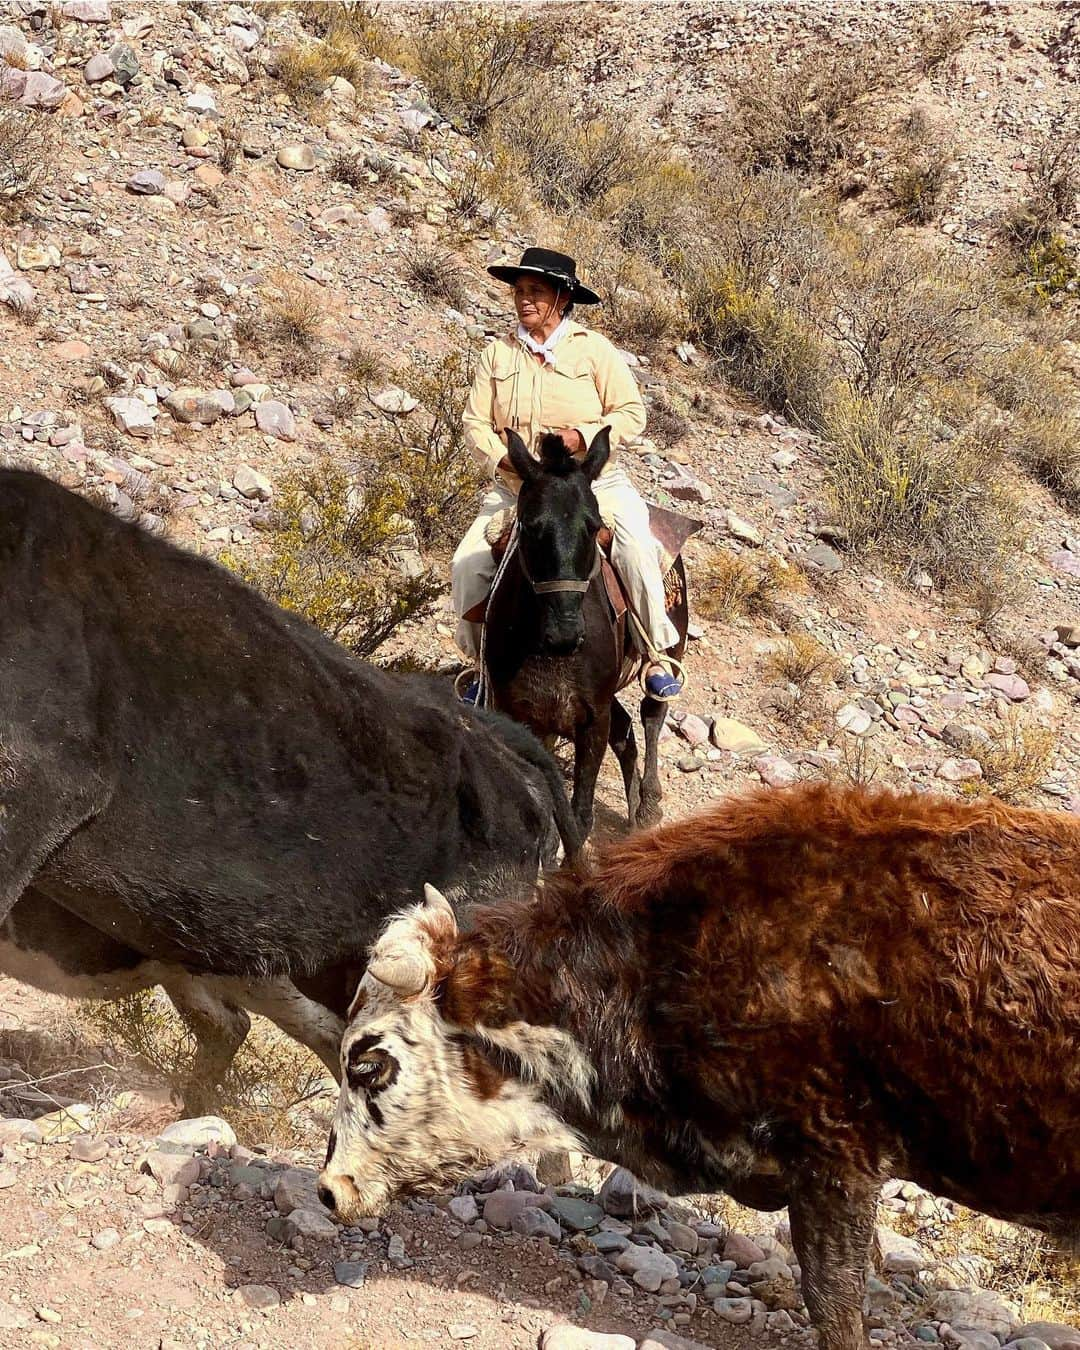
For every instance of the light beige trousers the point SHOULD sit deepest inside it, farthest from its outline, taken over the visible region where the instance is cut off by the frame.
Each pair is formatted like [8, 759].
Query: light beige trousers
[634, 553]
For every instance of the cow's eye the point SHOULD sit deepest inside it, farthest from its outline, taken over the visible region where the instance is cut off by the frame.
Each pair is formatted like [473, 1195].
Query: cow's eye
[371, 1070]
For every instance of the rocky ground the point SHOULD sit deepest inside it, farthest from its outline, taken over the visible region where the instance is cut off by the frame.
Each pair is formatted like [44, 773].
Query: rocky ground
[125, 286]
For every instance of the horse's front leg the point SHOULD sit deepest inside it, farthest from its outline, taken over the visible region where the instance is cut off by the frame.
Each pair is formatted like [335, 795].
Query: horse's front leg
[590, 742]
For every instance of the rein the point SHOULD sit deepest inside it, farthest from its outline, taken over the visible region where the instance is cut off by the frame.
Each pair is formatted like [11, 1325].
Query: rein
[563, 586]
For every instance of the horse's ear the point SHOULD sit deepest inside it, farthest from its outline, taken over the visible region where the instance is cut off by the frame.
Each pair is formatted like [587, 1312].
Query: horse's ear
[599, 452]
[526, 468]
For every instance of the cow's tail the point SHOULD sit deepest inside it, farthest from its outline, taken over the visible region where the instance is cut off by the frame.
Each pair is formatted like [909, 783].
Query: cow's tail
[522, 741]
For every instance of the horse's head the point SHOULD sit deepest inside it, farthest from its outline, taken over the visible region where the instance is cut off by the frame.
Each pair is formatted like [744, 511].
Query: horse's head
[558, 521]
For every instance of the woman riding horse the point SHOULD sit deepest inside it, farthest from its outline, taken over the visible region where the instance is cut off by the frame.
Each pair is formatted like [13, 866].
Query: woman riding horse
[555, 375]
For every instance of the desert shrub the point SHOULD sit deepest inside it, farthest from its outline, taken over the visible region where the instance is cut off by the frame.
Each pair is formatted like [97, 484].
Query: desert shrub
[1054, 176]
[479, 63]
[938, 35]
[803, 662]
[918, 183]
[289, 323]
[643, 322]
[666, 425]
[232, 143]
[928, 496]
[576, 161]
[436, 274]
[349, 167]
[1048, 267]
[729, 585]
[484, 188]
[658, 210]
[270, 1079]
[1047, 444]
[363, 366]
[760, 346]
[306, 69]
[356, 21]
[28, 143]
[1017, 758]
[804, 116]
[424, 455]
[330, 559]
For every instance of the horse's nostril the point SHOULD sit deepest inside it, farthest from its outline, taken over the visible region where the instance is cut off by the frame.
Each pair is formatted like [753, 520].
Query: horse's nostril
[326, 1195]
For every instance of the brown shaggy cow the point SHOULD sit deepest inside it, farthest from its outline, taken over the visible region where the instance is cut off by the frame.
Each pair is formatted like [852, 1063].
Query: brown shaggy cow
[790, 998]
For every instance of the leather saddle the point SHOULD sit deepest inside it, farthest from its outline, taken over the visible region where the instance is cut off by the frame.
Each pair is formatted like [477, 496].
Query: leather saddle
[670, 530]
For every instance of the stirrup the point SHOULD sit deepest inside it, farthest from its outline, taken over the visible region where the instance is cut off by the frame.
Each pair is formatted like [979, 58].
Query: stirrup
[467, 687]
[666, 686]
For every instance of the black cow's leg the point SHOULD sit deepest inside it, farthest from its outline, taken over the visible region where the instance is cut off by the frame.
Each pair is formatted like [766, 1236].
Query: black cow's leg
[298, 1016]
[623, 742]
[219, 1028]
[590, 742]
[832, 1223]
[653, 715]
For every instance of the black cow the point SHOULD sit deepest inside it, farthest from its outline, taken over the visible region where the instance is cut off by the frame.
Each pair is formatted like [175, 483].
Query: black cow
[215, 786]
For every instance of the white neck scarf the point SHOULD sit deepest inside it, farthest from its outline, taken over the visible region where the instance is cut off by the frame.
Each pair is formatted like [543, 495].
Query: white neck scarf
[544, 349]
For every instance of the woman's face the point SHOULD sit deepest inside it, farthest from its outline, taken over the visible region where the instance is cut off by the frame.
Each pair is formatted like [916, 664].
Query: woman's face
[536, 301]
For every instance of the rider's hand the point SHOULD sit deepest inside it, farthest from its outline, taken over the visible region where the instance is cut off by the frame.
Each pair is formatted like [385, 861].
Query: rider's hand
[573, 440]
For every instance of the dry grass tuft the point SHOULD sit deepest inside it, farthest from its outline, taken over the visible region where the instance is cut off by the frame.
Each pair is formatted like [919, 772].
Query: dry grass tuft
[306, 70]
[363, 367]
[271, 1079]
[292, 317]
[1018, 757]
[802, 661]
[28, 145]
[436, 274]
[729, 586]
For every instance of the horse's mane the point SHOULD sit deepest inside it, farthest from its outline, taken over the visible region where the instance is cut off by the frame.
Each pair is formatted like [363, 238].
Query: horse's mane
[555, 457]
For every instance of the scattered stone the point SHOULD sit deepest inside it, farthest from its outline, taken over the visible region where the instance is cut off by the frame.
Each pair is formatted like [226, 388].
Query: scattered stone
[567, 1337]
[296, 1188]
[647, 1266]
[17, 1130]
[275, 419]
[192, 405]
[1054, 1334]
[536, 1222]
[98, 68]
[7, 1178]
[462, 1331]
[106, 1240]
[198, 1131]
[67, 1122]
[172, 1169]
[775, 770]
[579, 1215]
[11, 1319]
[351, 1274]
[464, 1208]
[314, 1224]
[853, 719]
[33, 88]
[958, 770]
[693, 729]
[125, 64]
[87, 11]
[727, 734]
[659, 1339]
[259, 1296]
[822, 558]
[252, 484]
[146, 183]
[624, 1197]
[742, 1251]
[743, 530]
[394, 400]
[37, 257]
[900, 1255]
[298, 157]
[500, 1207]
[73, 350]
[683, 1237]
[976, 1309]
[1013, 687]
[737, 1311]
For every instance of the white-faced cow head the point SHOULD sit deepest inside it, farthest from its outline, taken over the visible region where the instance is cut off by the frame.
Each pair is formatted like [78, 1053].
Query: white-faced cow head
[421, 1105]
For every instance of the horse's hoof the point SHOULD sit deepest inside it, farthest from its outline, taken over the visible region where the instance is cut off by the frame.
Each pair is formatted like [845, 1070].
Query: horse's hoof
[649, 813]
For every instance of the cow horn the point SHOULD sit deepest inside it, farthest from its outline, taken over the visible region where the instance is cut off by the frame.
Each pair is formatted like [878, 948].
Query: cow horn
[435, 900]
[407, 974]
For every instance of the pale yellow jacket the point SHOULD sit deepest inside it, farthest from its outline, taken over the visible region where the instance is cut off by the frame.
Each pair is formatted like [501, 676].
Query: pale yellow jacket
[590, 386]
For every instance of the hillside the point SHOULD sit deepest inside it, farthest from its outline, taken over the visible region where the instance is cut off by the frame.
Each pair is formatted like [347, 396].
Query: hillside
[242, 254]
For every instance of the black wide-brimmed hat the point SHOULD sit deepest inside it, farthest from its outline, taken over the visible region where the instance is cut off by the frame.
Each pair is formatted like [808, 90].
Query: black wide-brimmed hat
[558, 268]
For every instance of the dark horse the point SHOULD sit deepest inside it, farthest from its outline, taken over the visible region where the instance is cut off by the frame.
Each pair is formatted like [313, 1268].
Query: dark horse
[556, 651]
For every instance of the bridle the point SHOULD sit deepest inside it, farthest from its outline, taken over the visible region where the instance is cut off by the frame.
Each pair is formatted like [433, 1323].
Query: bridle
[563, 586]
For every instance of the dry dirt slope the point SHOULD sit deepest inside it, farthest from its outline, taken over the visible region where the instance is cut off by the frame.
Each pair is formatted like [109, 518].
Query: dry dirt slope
[146, 257]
